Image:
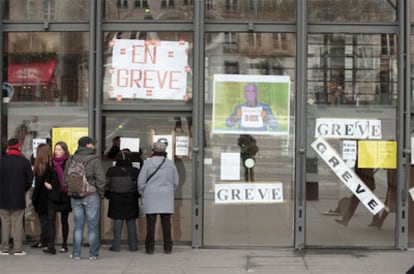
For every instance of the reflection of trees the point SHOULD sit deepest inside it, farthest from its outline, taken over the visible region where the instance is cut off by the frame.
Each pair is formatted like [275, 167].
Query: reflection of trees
[352, 10]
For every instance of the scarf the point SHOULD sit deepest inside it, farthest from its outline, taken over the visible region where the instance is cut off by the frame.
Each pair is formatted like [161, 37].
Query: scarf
[14, 152]
[58, 167]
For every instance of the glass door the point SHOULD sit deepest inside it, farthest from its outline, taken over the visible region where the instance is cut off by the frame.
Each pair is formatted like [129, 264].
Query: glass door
[352, 94]
[249, 137]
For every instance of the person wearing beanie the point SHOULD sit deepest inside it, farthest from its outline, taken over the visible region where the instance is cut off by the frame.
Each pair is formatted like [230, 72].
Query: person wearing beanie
[87, 208]
[122, 192]
[15, 180]
[157, 182]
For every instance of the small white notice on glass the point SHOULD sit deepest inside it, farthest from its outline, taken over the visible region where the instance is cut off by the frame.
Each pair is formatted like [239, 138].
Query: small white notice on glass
[36, 143]
[230, 166]
[411, 191]
[349, 152]
[181, 145]
[412, 154]
[130, 143]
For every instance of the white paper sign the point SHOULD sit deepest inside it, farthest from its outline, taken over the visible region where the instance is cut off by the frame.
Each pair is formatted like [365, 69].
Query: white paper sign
[149, 69]
[36, 142]
[412, 147]
[348, 128]
[130, 143]
[411, 191]
[181, 145]
[230, 166]
[347, 176]
[248, 193]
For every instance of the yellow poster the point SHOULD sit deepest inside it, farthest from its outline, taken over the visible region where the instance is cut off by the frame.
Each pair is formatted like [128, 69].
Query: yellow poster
[377, 154]
[68, 135]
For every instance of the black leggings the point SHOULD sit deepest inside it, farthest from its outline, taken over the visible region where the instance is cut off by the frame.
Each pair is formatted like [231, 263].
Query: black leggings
[52, 226]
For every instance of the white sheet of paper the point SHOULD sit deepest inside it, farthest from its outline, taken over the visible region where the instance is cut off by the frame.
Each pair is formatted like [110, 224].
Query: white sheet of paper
[230, 166]
[411, 191]
[130, 143]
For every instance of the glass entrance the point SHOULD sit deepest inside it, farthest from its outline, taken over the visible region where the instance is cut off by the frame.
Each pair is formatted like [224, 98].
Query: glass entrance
[352, 94]
[248, 164]
[128, 130]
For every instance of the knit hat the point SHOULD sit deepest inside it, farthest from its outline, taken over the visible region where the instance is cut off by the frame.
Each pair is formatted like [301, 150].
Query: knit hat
[159, 147]
[14, 143]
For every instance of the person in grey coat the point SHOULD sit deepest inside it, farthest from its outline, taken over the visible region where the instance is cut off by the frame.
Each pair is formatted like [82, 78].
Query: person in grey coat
[157, 193]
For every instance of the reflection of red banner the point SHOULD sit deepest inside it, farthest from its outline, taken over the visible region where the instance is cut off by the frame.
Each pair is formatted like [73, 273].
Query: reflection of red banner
[31, 73]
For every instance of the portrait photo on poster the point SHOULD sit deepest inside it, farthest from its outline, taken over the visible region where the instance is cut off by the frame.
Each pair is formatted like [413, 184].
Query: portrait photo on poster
[255, 104]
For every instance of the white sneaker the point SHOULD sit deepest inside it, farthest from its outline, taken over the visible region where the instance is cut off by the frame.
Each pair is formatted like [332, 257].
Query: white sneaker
[93, 258]
[20, 253]
[74, 257]
[4, 253]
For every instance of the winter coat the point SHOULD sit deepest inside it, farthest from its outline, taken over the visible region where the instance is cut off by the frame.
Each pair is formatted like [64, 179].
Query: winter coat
[94, 171]
[40, 192]
[121, 186]
[58, 199]
[16, 178]
[158, 193]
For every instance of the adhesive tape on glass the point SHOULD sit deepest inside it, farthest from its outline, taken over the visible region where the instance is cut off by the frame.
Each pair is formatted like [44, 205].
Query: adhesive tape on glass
[249, 163]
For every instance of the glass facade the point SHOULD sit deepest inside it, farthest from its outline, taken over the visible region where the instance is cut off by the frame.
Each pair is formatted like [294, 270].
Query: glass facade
[352, 76]
[245, 92]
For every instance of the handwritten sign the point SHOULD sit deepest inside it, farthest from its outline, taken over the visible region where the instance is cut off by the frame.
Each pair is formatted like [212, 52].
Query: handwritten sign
[149, 69]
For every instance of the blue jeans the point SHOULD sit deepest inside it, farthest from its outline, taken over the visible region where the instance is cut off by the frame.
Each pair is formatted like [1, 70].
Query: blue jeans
[132, 234]
[86, 209]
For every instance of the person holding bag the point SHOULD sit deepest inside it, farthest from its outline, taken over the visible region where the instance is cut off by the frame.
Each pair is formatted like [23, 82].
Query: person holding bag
[157, 182]
[121, 190]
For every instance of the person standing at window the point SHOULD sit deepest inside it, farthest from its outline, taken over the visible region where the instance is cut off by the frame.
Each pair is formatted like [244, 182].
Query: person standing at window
[59, 201]
[87, 208]
[122, 192]
[157, 182]
[15, 180]
[42, 170]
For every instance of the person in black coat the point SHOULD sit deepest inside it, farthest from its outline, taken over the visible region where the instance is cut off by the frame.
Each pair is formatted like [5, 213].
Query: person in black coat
[42, 170]
[121, 190]
[58, 201]
[15, 180]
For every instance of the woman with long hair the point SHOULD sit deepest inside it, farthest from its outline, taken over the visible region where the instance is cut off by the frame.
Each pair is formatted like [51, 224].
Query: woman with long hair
[59, 201]
[42, 171]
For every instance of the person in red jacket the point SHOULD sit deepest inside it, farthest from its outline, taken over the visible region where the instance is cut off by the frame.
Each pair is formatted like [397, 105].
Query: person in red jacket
[16, 178]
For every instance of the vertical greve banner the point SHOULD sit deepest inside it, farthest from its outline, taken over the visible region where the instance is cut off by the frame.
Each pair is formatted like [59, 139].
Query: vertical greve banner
[347, 175]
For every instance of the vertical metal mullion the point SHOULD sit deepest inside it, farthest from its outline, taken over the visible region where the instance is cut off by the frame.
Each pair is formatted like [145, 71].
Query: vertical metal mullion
[198, 124]
[96, 81]
[403, 123]
[1, 74]
[300, 125]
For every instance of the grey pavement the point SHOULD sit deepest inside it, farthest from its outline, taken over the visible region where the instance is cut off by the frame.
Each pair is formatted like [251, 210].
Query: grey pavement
[185, 259]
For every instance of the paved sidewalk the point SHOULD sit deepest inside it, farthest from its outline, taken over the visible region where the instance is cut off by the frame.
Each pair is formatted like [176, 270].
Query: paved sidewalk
[187, 260]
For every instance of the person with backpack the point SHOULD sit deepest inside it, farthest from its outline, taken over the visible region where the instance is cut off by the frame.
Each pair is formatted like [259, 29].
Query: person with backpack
[86, 203]
[122, 192]
[15, 180]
